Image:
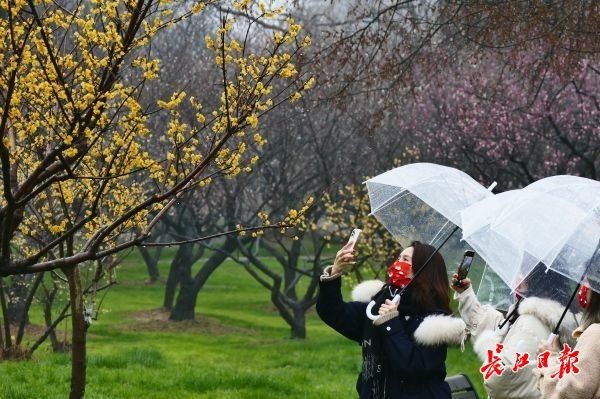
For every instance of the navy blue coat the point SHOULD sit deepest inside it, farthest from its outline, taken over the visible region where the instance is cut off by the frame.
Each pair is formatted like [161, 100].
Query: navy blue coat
[394, 365]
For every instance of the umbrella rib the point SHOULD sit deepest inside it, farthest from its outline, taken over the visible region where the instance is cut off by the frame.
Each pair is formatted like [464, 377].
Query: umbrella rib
[404, 192]
[439, 232]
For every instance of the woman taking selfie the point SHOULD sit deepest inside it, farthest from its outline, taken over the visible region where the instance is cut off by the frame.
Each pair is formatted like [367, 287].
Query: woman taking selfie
[404, 349]
[586, 383]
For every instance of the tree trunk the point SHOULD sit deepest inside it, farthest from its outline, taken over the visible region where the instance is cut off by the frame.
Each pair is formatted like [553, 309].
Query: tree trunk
[190, 287]
[151, 258]
[78, 338]
[299, 323]
[51, 329]
[27, 306]
[185, 307]
[17, 299]
[290, 274]
[5, 319]
[174, 274]
[186, 299]
[171, 287]
[47, 308]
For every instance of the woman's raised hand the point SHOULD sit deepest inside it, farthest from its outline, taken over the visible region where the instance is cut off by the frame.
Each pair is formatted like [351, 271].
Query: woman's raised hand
[344, 259]
[464, 284]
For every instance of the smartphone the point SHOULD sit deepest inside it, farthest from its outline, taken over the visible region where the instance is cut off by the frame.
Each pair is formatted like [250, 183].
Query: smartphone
[464, 267]
[354, 237]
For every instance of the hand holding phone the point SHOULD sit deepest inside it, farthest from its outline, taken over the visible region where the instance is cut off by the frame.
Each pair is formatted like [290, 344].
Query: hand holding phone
[353, 238]
[464, 267]
[344, 258]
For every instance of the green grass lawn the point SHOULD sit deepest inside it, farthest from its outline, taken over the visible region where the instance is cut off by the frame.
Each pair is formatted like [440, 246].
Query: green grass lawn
[238, 347]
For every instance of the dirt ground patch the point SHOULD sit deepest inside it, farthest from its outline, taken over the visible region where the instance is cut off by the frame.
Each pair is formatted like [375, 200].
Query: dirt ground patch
[158, 320]
[32, 331]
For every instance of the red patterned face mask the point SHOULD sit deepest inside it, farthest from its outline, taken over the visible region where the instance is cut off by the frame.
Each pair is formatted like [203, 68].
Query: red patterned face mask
[399, 273]
[583, 293]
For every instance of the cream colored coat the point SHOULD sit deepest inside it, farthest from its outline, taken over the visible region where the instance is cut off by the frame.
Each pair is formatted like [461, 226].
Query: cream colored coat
[586, 384]
[537, 318]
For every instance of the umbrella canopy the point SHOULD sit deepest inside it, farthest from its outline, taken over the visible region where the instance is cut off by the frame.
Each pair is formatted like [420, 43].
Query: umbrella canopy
[492, 290]
[554, 222]
[541, 240]
[504, 254]
[423, 201]
[488, 228]
[574, 251]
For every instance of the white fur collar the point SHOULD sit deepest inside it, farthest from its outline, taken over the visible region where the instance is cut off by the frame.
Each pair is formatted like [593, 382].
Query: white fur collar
[365, 290]
[433, 330]
[549, 312]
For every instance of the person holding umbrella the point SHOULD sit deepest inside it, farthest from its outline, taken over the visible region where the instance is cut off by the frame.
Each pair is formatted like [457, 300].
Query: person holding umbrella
[404, 345]
[529, 321]
[547, 230]
[586, 383]
[404, 349]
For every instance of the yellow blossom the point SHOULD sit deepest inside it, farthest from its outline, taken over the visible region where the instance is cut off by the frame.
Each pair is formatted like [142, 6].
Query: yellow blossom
[260, 140]
[252, 120]
[71, 152]
[198, 7]
[174, 102]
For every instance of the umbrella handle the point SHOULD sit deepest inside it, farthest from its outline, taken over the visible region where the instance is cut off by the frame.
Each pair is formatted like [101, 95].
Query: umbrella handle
[551, 338]
[368, 311]
[372, 316]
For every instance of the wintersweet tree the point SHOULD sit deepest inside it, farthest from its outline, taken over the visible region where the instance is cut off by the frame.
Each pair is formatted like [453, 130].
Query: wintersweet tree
[81, 179]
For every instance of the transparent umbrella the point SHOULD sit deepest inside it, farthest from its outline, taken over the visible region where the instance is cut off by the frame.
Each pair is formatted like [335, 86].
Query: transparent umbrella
[422, 202]
[492, 290]
[508, 262]
[576, 253]
[505, 255]
[572, 253]
[552, 225]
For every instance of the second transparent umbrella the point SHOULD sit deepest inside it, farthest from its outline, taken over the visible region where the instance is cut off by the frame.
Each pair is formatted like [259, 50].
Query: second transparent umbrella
[546, 234]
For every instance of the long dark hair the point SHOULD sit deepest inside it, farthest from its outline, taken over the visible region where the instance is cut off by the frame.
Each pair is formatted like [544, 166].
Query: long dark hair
[430, 289]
